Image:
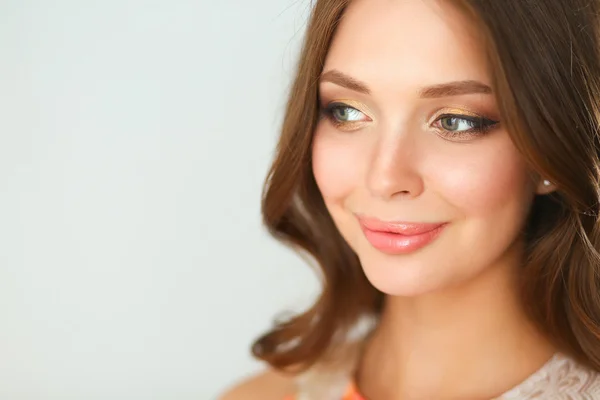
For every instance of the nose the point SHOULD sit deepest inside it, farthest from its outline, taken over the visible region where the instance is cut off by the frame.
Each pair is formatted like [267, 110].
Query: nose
[394, 168]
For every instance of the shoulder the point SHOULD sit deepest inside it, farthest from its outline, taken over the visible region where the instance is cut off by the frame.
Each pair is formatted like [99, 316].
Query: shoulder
[269, 385]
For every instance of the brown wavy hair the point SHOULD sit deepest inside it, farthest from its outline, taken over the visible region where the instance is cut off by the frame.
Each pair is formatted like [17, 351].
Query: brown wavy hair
[545, 63]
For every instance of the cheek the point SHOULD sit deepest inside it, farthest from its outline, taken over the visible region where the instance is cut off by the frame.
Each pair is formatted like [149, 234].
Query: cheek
[336, 163]
[490, 178]
[478, 181]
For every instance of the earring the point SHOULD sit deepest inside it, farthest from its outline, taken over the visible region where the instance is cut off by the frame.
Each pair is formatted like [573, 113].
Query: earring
[547, 182]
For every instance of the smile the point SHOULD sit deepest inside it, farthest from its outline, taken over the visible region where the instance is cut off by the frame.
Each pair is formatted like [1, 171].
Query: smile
[399, 237]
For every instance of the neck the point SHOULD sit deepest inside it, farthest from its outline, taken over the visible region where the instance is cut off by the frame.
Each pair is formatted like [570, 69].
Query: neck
[470, 341]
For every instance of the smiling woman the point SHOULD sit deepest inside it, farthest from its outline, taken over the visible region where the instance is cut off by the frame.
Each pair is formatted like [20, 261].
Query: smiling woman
[440, 162]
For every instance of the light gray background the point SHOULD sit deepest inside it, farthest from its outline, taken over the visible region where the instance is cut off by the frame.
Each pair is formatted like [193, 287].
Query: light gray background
[135, 136]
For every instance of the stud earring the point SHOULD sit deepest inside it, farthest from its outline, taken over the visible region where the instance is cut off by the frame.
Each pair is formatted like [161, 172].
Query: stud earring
[547, 182]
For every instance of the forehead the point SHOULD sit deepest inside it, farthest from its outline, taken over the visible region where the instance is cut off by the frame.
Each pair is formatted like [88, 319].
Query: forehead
[406, 44]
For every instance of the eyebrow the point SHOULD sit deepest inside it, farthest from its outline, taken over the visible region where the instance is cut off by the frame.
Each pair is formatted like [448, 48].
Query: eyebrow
[455, 88]
[341, 79]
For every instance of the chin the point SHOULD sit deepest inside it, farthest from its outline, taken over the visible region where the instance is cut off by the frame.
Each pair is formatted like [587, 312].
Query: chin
[406, 278]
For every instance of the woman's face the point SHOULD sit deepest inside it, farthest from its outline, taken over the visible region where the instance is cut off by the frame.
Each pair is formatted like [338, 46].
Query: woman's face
[410, 135]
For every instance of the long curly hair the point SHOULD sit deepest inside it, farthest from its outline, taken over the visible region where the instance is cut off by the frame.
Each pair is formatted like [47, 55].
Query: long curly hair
[545, 64]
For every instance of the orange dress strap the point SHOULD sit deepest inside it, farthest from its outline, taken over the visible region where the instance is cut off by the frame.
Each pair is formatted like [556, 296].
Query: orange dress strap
[351, 394]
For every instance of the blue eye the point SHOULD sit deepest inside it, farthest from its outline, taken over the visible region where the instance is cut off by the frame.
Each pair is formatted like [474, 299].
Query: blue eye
[346, 114]
[461, 124]
[341, 113]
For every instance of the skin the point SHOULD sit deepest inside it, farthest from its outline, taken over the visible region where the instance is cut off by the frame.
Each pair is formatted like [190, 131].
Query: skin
[387, 154]
[452, 326]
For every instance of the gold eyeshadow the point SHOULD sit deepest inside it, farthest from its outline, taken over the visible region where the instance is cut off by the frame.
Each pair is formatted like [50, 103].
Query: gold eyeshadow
[457, 112]
[347, 126]
[485, 124]
[354, 104]
[479, 123]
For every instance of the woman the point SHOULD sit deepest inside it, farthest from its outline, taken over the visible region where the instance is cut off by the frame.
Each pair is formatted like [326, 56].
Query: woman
[440, 162]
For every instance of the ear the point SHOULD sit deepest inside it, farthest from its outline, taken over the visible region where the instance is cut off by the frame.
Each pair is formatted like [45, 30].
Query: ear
[544, 186]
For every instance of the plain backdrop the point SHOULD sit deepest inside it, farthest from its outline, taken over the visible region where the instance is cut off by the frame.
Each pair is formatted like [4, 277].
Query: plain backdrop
[134, 140]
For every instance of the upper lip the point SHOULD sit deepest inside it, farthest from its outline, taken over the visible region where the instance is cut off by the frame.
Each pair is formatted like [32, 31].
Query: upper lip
[399, 227]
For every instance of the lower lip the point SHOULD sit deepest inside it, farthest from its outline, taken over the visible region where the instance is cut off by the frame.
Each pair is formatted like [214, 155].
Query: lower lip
[394, 243]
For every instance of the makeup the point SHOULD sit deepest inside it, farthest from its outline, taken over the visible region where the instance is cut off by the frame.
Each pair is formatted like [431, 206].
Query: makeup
[459, 124]
[399, 237]
[347, 115]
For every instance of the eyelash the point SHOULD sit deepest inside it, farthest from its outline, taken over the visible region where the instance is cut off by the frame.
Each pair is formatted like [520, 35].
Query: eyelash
[331, 108]
[480, 125]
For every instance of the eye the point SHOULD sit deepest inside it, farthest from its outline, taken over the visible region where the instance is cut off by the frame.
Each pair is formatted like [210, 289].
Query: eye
[463, 125]
[341, 113]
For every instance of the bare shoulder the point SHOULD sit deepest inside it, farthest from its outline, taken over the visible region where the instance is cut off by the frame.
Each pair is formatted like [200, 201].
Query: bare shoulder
[269, 385]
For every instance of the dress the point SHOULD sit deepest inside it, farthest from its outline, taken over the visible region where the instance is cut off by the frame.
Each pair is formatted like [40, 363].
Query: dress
[561, 378]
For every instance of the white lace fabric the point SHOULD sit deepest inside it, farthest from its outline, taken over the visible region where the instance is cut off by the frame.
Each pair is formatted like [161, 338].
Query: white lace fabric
[561, 378]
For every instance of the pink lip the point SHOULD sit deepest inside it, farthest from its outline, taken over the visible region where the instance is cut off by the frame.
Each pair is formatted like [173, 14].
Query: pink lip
[399, 237]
